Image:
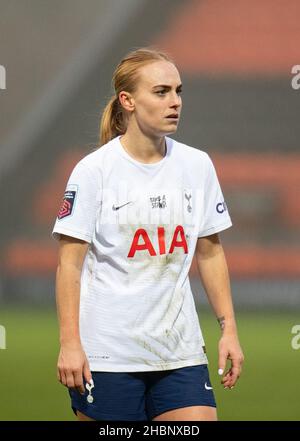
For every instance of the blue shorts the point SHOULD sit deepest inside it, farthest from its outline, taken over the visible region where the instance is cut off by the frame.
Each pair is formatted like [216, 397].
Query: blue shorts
[140, 396]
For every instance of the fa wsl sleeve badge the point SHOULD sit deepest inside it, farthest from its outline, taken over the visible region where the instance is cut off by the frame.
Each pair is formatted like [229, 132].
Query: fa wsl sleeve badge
[68, 202]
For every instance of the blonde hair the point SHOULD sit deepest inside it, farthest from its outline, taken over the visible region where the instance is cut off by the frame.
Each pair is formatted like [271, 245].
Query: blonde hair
[125, 77]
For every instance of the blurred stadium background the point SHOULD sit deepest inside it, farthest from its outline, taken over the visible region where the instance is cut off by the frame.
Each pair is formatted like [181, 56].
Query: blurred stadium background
[235, 60]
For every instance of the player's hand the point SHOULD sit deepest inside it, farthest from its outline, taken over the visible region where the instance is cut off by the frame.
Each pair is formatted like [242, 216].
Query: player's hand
[230, 349]
[72, 366]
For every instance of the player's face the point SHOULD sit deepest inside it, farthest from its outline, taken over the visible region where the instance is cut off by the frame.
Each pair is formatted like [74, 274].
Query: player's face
[157, 98]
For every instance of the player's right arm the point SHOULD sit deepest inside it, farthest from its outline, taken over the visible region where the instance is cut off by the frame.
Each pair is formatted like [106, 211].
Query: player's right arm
[72, 361]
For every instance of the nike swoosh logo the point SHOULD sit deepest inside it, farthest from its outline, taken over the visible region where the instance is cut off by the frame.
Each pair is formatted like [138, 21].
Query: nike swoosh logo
[207, 387]
[120, 206]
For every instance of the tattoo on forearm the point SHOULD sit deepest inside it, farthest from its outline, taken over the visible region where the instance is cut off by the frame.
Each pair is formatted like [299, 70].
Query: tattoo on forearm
[221, 321]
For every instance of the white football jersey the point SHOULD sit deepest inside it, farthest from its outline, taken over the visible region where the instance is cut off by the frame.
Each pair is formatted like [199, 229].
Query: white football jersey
[142, 221]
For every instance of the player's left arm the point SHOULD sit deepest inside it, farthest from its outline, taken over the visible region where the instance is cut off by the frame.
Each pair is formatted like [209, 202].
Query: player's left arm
[214, 276]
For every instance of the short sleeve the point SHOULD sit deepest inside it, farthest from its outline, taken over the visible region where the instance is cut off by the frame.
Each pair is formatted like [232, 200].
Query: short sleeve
[215, 211]
[80, 204]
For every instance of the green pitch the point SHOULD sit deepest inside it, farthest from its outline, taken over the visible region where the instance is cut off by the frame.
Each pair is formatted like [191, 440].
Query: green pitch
[267, 390]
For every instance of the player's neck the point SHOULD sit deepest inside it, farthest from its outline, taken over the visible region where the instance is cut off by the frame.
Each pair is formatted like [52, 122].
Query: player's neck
[143, 148]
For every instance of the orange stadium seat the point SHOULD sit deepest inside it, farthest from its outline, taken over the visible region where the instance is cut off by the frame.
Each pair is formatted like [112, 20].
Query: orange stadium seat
[47, 200]
[249, 37]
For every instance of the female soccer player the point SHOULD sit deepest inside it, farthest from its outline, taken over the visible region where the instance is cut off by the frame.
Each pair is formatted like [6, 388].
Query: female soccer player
[134, 213]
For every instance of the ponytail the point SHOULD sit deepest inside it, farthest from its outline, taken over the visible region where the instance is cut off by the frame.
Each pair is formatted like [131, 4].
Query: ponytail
[113, 121]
